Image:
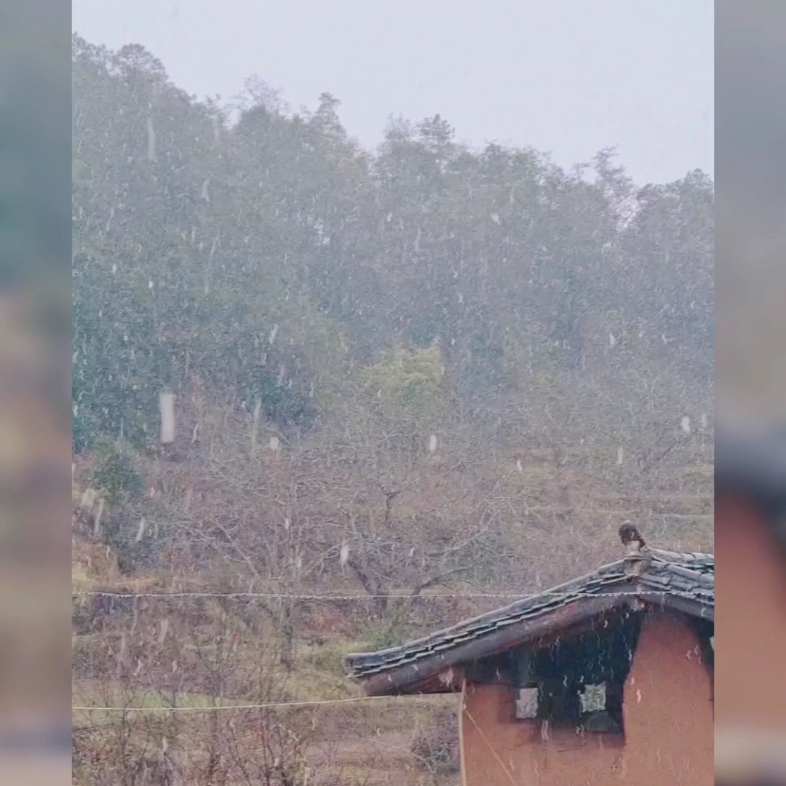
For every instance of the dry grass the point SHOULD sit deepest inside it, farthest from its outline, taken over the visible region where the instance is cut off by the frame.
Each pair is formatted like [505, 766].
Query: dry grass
[369, 743]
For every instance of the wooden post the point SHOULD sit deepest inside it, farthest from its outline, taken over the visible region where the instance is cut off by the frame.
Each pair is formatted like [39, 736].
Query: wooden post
[462, 762]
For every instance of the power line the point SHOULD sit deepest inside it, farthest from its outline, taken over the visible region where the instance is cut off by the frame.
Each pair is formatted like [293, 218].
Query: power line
[392, 596]
[222, 707]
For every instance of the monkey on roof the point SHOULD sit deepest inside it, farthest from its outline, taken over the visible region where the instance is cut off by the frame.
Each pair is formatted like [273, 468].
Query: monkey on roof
[629, 534]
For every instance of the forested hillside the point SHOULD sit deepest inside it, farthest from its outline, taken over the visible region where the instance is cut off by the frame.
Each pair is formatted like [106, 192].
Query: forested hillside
[419, 367]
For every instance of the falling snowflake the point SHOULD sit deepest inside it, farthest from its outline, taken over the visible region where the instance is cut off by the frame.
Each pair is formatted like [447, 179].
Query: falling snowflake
[140, 533]
[151, 140]
[685, 424]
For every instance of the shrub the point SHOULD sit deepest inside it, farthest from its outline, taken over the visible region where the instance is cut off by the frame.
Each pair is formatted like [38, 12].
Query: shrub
[436, 747]
[115, 471]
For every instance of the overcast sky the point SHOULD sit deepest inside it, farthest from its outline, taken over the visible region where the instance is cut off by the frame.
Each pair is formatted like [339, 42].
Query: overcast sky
[565, 76]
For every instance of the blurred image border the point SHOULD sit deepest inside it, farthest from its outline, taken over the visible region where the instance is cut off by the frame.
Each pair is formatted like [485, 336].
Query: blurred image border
[35, 390]
[750, 289]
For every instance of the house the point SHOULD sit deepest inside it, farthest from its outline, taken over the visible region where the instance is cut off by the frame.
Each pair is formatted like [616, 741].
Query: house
[607, 679]
[750, 543]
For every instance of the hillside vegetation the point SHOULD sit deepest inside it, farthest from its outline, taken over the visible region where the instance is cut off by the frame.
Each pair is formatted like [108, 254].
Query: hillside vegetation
[405, 377]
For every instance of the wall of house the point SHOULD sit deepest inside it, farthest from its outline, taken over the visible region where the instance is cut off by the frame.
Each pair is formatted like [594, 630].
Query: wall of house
[668, 726]
[752, 624]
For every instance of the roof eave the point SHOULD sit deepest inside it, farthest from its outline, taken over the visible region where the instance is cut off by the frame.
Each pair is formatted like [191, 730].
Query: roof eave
[406, 677]
[422, 676]
[686, 605]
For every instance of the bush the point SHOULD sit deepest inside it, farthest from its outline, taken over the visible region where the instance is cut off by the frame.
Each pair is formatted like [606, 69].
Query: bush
[115, 471]
[437, 746]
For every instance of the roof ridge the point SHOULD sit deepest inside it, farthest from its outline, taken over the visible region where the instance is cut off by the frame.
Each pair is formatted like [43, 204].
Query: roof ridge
[692, 555]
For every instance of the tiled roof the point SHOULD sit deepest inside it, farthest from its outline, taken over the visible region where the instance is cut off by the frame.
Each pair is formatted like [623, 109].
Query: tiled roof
[685, 581]
[693, 560]
[687, 576]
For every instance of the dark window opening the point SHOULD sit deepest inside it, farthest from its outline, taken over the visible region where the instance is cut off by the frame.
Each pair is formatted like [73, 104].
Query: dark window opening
[579, 682]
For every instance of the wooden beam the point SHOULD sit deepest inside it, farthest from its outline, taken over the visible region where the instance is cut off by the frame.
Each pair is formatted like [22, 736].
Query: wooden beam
[686, 606]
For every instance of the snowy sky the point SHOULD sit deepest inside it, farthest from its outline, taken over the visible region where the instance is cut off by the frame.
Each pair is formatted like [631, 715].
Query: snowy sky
[565, 76]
